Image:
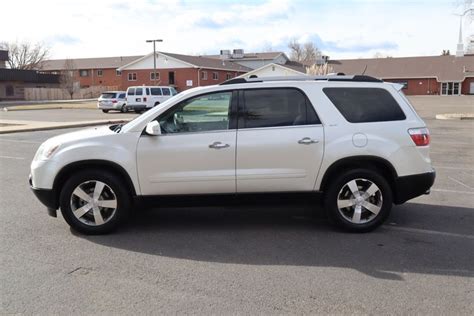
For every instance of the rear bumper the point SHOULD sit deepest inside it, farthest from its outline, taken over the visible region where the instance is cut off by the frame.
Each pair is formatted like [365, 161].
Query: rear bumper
[47, 197]
[409, 187]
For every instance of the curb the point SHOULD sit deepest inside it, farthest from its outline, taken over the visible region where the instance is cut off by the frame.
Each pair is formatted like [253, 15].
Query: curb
[6, 103]
[63, 126]
[455, 116]
[12, 109]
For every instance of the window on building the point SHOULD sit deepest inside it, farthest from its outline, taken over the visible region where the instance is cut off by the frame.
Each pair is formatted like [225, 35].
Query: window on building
[228, 76]
[215, 76]
[203, 75]
[450, 88]
[364, 105]
[277, 107]
[84, 73]
[208, 112]
[132, 76]
[100, 73]
[171, 77]
[9, 91]
[118, 73]
[154, 76]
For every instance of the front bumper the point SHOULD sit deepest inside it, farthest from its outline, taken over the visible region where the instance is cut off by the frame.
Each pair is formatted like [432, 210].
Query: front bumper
[47, 197]
[409, 187]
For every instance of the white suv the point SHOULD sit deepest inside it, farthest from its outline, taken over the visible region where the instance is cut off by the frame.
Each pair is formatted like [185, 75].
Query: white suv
[353, 140]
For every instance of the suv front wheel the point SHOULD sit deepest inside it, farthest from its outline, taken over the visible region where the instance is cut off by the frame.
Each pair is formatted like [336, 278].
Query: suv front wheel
[358, 200]
[94, 202]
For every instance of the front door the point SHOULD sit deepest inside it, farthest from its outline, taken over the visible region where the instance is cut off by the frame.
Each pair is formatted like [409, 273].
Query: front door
[280, 141]
[195, 153]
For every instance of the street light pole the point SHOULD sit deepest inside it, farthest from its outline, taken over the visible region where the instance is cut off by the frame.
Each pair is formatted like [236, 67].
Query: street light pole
[154, 57]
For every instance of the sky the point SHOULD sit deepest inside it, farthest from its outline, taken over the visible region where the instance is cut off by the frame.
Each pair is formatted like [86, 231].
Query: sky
[340, 29]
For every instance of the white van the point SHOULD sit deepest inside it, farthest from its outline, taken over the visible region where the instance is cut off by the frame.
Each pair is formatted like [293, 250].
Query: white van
[140, 98]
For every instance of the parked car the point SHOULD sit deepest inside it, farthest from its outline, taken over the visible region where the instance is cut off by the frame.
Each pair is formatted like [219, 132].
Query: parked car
[112, 100]
[353, 141]
[141, 98]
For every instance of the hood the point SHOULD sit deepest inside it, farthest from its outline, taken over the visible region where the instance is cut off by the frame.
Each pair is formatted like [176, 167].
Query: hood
[87, 133]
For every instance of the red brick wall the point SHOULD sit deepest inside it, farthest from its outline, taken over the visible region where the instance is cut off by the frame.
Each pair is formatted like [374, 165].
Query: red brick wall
[466, 85]
[109, 78]
[422, 86]
[181, 75]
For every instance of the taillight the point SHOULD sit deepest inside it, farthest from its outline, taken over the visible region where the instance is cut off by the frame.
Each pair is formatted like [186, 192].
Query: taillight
[114, 101]
[420, 136]
[144, 99]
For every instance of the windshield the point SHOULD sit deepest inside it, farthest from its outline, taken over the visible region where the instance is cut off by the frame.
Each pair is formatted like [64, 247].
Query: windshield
[107, 95]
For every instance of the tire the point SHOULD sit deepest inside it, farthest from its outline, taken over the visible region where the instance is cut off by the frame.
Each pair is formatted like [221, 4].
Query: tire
[138, 111]
[156, 103]
[123, 109]
[94, 216]
[354, 204]
[105, 111]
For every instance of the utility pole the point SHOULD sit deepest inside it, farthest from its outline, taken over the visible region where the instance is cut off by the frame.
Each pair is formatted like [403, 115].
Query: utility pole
[154, 57]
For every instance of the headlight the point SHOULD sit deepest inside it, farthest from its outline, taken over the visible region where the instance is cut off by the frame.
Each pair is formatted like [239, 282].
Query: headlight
[46, 150]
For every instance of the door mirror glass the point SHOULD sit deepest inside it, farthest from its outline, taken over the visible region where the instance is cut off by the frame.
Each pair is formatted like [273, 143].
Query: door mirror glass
[153, 128]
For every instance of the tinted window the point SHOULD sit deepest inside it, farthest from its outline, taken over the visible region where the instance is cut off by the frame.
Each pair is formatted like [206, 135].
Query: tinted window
[131, 91]
[107, 95]
[147, 91]
[166, 91]
[139, 91]
[122, 96]
[359, 105]
[203, 113]
[155, 91]
[277, 107]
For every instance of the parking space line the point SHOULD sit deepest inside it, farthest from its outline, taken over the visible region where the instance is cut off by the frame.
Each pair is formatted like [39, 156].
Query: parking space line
[452, 168]
[461, 183]
[426, 231]
[19, 141]
[10, 157]
[452, 191]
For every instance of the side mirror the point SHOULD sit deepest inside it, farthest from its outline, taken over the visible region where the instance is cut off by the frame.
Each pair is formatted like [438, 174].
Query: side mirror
[153, 128]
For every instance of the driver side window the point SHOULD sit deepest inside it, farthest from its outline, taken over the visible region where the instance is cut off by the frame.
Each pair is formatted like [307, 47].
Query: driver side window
[207, 112]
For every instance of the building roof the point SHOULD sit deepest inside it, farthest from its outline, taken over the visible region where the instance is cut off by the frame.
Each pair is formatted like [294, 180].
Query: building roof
[251, 56]
[195, 62]
[20, 75]
[444, 68]
[295, 66]
[89, 63]
[206, 62]
[290, 69]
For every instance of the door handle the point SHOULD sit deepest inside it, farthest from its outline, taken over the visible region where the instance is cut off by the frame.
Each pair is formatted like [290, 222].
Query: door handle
[218, 145]
[307, 141]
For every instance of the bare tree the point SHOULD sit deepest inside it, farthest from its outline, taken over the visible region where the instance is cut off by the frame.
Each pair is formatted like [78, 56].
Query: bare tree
[306, 53]
[25, 55]
[68, 78]
[319, 70]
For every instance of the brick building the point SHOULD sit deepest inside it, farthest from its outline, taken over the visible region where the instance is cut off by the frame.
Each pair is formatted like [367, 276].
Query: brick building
[180, 71]
[441, 75]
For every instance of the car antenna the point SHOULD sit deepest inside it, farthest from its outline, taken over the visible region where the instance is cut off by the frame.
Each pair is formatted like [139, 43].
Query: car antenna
[363, 73]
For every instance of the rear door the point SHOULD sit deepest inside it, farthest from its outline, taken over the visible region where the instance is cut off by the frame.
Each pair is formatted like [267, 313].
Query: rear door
[280, 141]
[131, 95]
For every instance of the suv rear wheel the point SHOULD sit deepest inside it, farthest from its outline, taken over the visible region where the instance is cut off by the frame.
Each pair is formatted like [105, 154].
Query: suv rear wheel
[358, 200]
[94, 202]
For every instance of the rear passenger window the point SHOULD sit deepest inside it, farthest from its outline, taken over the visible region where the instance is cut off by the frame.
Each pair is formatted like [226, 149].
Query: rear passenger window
[166, 91]
[364, 105]
[277, 107]
[139, 91]
[121, 96]
[155, 91]
[131, 91]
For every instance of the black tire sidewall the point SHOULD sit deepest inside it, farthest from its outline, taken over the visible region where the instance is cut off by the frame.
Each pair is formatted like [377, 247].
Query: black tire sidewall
[330, 199]
[114, 182]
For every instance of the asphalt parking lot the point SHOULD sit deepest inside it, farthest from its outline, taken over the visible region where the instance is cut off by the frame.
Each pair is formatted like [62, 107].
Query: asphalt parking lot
[244, 260]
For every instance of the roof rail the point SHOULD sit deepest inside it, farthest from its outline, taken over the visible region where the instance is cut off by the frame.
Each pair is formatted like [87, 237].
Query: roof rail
[358, 78]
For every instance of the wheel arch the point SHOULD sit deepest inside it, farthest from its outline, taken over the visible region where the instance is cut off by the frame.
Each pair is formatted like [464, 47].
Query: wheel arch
[369, 162]
[110, 166]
